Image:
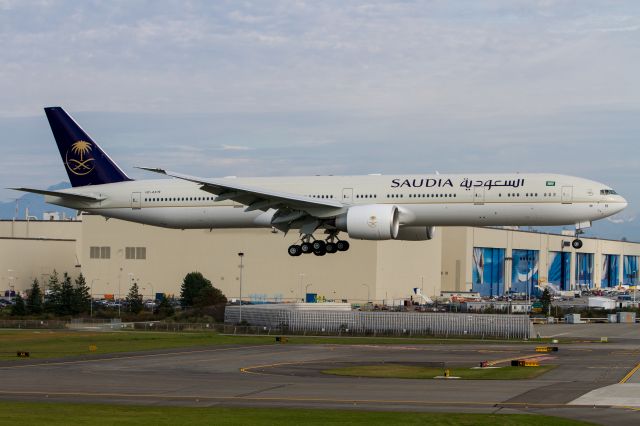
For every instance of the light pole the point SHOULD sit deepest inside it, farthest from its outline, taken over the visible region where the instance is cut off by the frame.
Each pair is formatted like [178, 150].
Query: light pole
[305, 291]
[91, 297]
[635, 287]
[119, 302]
[300, 286]
[368, 298]
[9, 279]
[241, 256]
[153, 295]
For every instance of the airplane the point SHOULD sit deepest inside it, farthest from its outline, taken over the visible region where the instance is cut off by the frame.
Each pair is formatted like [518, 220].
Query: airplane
[369, 207]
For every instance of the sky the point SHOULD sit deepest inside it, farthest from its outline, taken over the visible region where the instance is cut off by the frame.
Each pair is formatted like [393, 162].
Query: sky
[265, 88]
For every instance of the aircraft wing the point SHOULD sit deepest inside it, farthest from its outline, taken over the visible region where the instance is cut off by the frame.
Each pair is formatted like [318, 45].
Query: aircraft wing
[65, 195]
[256, 198]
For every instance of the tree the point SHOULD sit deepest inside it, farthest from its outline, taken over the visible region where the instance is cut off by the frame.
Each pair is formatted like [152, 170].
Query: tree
[53, 294]
[34, 300]
[164, 307]
[209, 296]
[19, 307]
[134, 299]
[81, 296]
[545, 299]
[192, 285]
[67, 297]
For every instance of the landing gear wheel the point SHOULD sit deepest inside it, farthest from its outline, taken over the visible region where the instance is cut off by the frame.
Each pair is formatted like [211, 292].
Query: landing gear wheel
[294, 250]
[342, 245]
[319, 245]
[576, 244]
[320, 252]
[331, 247]
[306, 248]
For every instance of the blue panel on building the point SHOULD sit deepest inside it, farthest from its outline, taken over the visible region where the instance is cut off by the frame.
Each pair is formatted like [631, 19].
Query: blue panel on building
[524, 273]
[584, 270]
[560, 269]
[610, 271]
[488, 271]
[631, 270]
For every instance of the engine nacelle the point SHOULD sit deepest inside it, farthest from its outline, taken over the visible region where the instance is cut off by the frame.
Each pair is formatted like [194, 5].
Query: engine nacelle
[416, 233]
[370, 222]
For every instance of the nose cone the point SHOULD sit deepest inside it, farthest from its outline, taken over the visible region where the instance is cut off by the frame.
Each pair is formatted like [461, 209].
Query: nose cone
[621, 204]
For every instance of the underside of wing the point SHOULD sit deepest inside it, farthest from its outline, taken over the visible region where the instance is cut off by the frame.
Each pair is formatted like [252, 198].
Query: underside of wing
[290, 207]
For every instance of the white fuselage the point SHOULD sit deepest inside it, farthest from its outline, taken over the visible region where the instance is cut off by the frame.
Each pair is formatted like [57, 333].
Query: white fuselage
[423, 200]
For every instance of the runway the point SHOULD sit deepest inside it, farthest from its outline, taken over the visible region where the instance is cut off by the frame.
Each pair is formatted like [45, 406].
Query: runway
[285, 375]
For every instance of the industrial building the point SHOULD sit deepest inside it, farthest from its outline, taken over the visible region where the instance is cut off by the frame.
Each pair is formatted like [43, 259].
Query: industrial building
[112, 254]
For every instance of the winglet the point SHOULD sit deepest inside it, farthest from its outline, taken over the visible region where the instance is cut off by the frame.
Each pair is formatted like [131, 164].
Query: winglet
[153, 169]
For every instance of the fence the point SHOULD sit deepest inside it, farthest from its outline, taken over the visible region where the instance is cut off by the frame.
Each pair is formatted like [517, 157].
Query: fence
[33, 324]
[384, 323]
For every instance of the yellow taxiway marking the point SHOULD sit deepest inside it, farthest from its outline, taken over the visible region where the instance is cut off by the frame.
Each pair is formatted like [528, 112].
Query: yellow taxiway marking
[500, 361]
[116, 357]
[280, 364]
[630, 373]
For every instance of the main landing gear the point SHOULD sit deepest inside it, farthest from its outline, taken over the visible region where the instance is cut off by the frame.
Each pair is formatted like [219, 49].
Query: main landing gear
[318, 247]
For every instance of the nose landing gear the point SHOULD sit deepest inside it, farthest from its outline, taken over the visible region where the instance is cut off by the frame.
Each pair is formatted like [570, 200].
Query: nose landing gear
[577, 242]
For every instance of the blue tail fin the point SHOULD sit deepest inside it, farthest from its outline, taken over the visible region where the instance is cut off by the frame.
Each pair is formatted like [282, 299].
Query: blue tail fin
[85, 162]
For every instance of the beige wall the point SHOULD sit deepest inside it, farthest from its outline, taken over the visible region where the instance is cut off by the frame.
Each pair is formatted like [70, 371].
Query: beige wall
[23, 260]
[403, 265]
[62, 229]
[391, 268]
[454, 258]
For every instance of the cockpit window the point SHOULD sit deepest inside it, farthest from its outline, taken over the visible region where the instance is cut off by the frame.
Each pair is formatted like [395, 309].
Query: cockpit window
[607, 192]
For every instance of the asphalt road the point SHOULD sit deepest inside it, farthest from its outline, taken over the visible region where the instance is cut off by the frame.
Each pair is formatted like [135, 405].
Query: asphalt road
[283, 375]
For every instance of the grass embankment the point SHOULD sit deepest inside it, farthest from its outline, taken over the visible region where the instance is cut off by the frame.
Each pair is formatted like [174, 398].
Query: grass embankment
[53, 414]
[400, 371]
[54, 344]
[63, 343]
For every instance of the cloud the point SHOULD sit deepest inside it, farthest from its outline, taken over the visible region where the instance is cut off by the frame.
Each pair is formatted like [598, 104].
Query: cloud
[234, 148]
[295, 87]
[622, 218]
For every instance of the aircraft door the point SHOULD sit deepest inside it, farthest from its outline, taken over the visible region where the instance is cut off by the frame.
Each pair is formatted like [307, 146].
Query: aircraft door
[347, 195]
[567, 194]
[478, 195]
[136, 202]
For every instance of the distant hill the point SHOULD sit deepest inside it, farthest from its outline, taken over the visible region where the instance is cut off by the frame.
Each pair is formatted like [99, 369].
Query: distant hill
[35, 204]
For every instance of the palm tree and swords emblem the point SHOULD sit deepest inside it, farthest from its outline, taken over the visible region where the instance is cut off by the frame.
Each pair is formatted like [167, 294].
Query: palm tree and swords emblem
[82, 164]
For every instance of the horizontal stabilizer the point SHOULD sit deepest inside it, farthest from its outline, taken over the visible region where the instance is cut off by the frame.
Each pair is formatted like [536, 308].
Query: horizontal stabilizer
[65, 195]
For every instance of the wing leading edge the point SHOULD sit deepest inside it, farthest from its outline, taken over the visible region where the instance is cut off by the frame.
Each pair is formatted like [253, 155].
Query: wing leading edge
[256, 198]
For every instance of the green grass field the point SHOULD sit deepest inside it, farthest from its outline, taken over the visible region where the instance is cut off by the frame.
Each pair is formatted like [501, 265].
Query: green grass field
[63, 343]
[400, 371]
[54, 414]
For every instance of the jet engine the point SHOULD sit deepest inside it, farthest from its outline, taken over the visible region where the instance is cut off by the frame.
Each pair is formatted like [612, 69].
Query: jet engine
[416, 233]
[370, 222]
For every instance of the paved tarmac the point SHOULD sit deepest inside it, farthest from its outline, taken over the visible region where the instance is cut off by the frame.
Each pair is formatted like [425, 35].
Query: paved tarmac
[284, 375]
